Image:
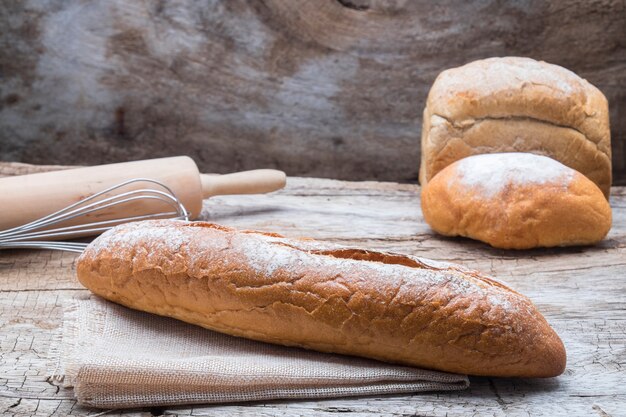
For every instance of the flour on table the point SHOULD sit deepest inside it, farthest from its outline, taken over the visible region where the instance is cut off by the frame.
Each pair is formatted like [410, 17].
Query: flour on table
[491, 173]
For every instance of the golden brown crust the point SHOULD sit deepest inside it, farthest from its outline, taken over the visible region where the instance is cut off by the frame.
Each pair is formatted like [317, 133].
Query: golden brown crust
[570, 210]
[516, 104]
[318, 296]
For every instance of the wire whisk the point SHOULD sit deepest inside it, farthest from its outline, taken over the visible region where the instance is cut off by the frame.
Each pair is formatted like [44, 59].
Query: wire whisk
[44, 232]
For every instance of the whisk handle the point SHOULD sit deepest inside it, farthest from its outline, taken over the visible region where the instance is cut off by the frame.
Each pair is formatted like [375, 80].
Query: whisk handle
[257, 181]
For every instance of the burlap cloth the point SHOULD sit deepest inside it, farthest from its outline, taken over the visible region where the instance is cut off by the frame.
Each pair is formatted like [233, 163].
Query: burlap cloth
[115, 357]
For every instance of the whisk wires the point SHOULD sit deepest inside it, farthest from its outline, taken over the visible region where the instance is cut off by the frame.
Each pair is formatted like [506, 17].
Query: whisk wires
[42, 233]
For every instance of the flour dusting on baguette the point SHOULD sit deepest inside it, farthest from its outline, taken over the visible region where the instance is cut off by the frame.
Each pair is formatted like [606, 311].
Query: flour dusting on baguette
[283, 255]
[153, 237]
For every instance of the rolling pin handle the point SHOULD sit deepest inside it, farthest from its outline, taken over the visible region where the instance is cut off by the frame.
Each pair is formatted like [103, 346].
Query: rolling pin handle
[257, 181]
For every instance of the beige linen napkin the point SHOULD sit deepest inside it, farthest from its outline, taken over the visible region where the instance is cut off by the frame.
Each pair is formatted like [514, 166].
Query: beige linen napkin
[116, 357]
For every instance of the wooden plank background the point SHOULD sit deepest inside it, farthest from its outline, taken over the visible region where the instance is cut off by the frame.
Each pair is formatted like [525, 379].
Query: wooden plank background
[325, 88]
[581, 291]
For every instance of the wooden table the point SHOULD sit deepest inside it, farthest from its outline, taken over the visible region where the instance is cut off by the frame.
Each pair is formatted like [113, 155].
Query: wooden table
[581, 291]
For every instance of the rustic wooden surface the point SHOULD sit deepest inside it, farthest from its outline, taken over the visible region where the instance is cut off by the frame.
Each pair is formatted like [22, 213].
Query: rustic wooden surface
[323, 88]
[581, 291]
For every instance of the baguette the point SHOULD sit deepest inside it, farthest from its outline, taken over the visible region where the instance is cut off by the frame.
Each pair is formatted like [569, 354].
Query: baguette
[318, 296]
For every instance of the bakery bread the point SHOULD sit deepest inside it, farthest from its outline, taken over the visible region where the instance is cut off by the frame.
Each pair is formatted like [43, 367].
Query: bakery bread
[385, 306]
[516, 201]
[310, 294]
[516, 105]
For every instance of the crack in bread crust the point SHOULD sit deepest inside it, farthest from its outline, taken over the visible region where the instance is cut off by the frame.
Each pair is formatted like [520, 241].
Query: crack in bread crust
[445, 144]
[465, 124]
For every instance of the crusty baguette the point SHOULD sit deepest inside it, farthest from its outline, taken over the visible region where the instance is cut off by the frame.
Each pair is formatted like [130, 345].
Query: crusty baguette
[516, 104]
[310, 294]
[516, 201]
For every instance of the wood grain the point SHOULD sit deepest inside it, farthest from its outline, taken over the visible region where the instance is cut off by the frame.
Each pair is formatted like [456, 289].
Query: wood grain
[581, 291]
[326, 88]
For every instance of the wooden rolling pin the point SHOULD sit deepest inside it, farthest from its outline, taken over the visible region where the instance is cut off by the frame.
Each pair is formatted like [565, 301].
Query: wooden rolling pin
[29, 197]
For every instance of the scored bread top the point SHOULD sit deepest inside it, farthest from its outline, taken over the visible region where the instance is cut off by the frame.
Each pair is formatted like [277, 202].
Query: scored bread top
[324, 297]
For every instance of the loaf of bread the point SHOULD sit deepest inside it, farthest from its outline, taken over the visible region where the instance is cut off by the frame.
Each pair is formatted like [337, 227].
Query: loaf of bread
[516, 105]
[384, 306]
[516, 201]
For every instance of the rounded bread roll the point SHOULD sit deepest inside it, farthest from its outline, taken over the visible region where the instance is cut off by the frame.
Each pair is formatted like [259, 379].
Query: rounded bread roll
[516, 201]
[516, 104]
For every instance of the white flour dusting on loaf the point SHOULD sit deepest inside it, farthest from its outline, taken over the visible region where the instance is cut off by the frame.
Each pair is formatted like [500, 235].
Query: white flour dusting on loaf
[137, 235]
[491, 173]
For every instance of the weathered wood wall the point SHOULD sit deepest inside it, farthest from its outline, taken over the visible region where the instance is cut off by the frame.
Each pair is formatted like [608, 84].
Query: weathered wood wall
[331, 88]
